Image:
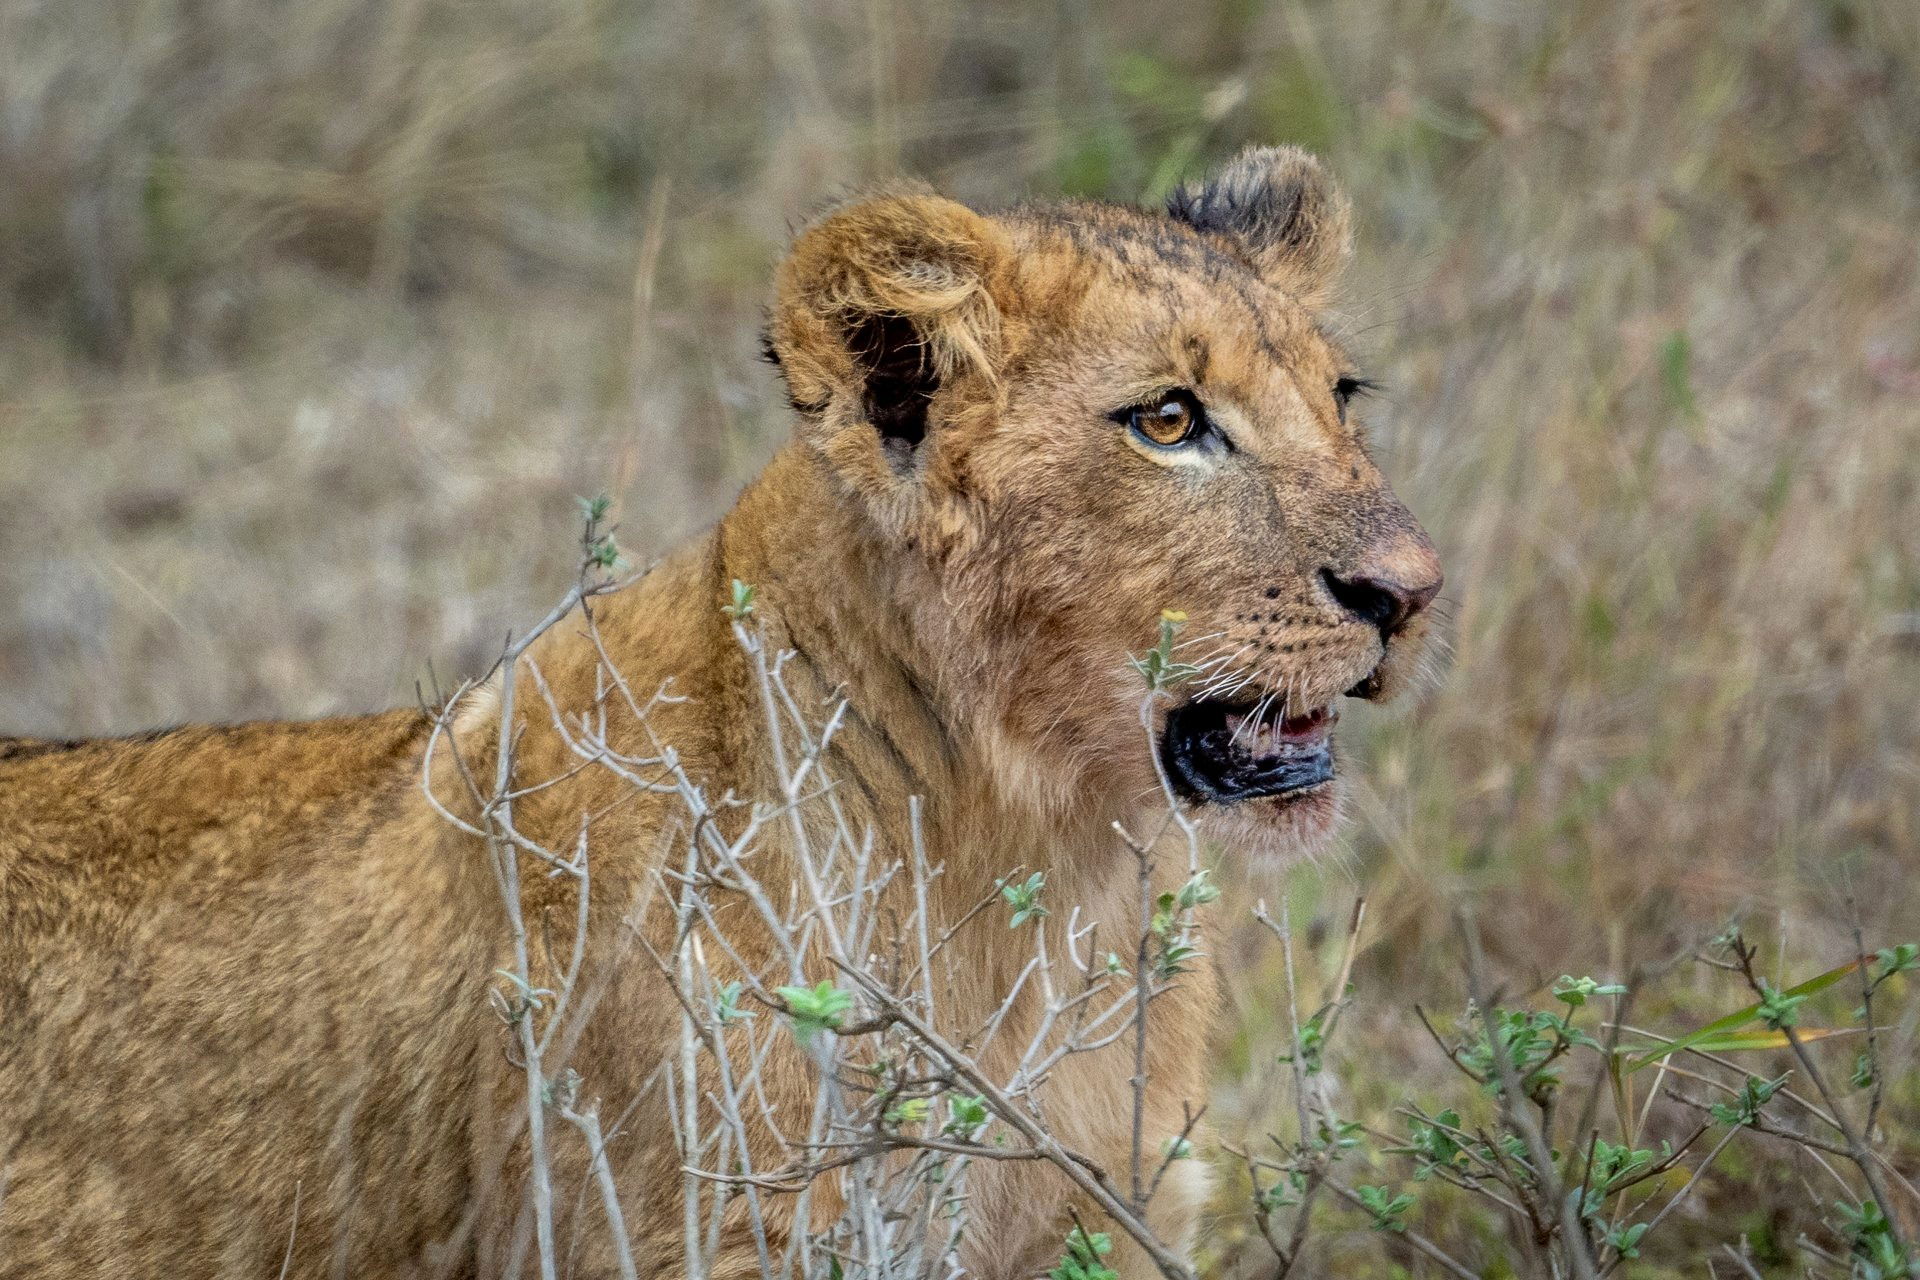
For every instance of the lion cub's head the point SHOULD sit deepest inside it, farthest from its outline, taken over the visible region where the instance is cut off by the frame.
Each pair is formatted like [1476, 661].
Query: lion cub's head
[1063, 420]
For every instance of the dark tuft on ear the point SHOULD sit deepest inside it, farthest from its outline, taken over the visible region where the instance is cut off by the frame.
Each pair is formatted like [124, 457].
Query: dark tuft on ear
[1282, 212]
[900, 380]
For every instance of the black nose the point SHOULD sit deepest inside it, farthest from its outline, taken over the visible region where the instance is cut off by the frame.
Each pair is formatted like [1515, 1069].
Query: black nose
[1379, 602]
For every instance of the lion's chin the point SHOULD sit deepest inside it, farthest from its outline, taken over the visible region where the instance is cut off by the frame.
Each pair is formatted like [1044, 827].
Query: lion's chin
[1280, 829]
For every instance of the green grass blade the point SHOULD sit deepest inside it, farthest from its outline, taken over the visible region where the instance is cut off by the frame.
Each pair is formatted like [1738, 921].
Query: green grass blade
[1720, 1027]
[1741, 1041]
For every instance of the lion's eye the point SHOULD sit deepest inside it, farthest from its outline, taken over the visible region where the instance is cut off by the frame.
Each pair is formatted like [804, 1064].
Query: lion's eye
[1344, 391]
[1168, 421]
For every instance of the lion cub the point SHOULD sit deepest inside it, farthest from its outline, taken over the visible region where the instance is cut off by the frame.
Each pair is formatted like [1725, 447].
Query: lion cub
[250, 1010]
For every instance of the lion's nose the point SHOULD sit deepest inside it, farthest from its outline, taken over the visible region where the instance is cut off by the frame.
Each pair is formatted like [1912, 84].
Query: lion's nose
[1389, 593]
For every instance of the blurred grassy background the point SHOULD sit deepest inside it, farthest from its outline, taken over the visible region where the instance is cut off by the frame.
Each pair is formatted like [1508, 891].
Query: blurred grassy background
[316, 316]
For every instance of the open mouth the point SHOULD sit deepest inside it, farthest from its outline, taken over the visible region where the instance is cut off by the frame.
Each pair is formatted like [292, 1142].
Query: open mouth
[1218, 752]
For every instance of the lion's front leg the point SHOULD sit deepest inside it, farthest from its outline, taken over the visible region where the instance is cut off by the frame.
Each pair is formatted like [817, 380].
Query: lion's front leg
[1022, 1211]
[1173, 1215]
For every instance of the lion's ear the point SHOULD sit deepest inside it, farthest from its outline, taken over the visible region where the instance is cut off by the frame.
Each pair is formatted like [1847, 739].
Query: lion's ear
[1281, 210]
[882, 304]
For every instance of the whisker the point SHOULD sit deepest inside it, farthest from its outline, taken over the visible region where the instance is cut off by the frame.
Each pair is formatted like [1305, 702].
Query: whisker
[1220, 659]
[1211, 635]
[1230, 685]
[1253, 717]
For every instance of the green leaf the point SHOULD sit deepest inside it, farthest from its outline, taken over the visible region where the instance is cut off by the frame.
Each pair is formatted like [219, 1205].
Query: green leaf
[1157, 665]
[1626, 1240]
[1877, 1252]
[1082, 1260]
[1198, 891]
[1388, 1210]
[1745, 1107]
[1025, 899]
[1312, 1044]
[1173, 960]
[906, 1112]
[1433, 1146]
[966, 1116]
[1526, 1039]
[1277, 1196]
[1903, 958]
[726, 1004]
[1577, 991]
[1778, 1008]
[822, 1007]
[1613, 1166]
[1340, 1135]
[741, 603]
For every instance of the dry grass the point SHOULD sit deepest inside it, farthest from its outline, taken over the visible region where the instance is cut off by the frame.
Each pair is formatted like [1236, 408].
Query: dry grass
[315, 317]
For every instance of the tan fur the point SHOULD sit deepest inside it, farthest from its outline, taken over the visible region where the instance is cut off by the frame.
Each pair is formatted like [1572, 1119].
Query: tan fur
[243, 971]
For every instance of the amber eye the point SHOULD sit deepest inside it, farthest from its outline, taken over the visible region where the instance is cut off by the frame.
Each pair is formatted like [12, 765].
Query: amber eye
[1167, 422]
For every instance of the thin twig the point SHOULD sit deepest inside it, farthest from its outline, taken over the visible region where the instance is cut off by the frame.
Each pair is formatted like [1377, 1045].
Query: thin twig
[1857, 1150]
[1432, 1251]
[1572, 1230]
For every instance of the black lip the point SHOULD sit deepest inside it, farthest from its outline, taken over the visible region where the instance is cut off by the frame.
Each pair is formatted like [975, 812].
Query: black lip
[1204, 763]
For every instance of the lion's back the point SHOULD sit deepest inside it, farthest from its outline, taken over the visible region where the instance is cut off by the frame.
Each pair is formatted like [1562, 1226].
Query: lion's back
[91, 829]
[219, 946]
